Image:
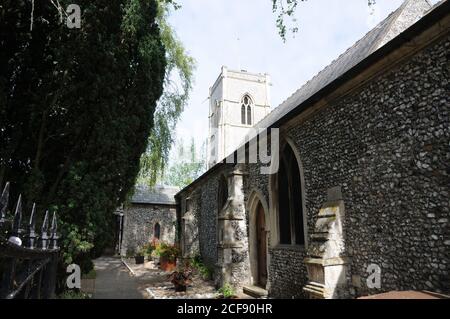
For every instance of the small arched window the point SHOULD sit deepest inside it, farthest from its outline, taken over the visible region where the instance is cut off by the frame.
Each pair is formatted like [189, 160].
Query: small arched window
[246, 110]
[157, 231]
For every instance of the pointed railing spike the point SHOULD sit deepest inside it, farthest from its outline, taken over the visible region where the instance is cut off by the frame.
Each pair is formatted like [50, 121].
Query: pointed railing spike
[54, 234]
[31, 228]
[4, 203]
[54, 227]
[44, 232]
[17, 218]
[32, 222]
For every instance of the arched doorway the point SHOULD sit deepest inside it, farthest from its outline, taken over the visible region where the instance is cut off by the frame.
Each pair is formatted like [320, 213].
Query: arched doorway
[261, 246]
[259, 234]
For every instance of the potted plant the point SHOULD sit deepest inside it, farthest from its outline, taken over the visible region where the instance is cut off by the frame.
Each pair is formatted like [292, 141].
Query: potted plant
[167, 256]
[139, 258]
[181, 278]
[154, 248]
[148, 249]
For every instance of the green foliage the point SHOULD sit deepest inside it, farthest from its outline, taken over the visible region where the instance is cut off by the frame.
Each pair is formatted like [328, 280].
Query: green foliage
[92, 274]
[204, 271]
[73, 294]
[285, 9]
[177, 85]
[150, 247]
[141, 252]
[76, 110]
[186, 166]
[169, 251]
[227, 291]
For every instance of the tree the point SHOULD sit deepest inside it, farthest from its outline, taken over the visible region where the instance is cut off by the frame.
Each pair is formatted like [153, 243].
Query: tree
[76, 109]
[177, 86]
[186, 165]
[285, 9]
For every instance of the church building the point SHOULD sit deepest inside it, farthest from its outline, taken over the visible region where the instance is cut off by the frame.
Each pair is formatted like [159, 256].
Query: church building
[359, 202]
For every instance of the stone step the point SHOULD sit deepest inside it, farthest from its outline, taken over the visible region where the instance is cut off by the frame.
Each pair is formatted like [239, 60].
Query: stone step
[256, 292]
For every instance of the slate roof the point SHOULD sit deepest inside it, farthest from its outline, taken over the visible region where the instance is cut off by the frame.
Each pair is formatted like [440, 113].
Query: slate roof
[159, 195]
[372, 41]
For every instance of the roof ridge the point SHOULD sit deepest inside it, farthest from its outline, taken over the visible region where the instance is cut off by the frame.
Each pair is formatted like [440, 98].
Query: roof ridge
[334, 60]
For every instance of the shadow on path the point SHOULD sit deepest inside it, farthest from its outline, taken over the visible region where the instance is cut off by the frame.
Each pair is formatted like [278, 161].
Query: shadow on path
[114, 281]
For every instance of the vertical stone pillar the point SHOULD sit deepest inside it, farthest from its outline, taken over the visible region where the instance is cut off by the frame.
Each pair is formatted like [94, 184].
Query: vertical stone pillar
[232, 263]
[326, 262]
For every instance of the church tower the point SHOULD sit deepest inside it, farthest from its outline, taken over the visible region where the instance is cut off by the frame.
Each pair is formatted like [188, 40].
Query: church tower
[237, 101]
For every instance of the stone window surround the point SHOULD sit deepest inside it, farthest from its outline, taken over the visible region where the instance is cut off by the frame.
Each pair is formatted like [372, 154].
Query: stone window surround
[245, 111]
[273, 207]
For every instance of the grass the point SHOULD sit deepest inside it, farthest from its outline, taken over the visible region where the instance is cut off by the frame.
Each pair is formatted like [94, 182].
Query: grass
[204, 271]
[72, 294]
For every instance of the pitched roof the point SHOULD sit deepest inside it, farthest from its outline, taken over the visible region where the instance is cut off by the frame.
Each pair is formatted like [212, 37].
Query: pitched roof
[376, 44]
[158, 195]
[398, 21]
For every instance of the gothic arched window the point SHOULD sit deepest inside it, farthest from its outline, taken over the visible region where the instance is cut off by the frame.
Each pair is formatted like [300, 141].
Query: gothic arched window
[246, 110]
[290, 199]
[157, 231]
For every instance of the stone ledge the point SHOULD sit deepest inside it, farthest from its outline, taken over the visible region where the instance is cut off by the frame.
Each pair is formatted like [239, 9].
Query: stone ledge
[328, 261]
[256, 292]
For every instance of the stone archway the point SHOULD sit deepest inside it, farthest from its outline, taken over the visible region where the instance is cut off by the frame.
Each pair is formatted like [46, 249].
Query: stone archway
[259, 234]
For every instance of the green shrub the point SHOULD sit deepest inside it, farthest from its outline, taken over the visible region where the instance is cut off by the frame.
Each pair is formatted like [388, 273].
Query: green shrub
[227, 291]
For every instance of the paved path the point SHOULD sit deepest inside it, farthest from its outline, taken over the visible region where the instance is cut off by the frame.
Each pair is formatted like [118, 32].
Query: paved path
[114, 281]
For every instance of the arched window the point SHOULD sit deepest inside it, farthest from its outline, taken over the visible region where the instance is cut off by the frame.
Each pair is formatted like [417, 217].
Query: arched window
[157, 231]
[290, 199]
[223, 192]
[246, 110]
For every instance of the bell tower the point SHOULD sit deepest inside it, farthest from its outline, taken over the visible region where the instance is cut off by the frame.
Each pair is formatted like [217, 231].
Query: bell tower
[237, 100]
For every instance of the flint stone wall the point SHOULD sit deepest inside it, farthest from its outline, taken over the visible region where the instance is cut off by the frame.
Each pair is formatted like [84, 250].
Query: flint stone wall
[387, 146]
[139, 222]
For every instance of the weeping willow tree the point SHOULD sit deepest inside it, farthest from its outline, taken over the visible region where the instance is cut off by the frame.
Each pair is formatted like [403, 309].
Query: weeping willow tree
[177, 86]
[285, 11]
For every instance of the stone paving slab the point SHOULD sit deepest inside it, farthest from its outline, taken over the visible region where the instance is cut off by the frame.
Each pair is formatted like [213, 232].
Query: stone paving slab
[114, 281]
[156, 284]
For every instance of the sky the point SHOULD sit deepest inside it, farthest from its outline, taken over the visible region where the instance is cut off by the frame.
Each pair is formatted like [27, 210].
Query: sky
[210, 29]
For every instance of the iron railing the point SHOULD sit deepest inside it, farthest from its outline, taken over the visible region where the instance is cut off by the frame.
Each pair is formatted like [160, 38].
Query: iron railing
[28, 260]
